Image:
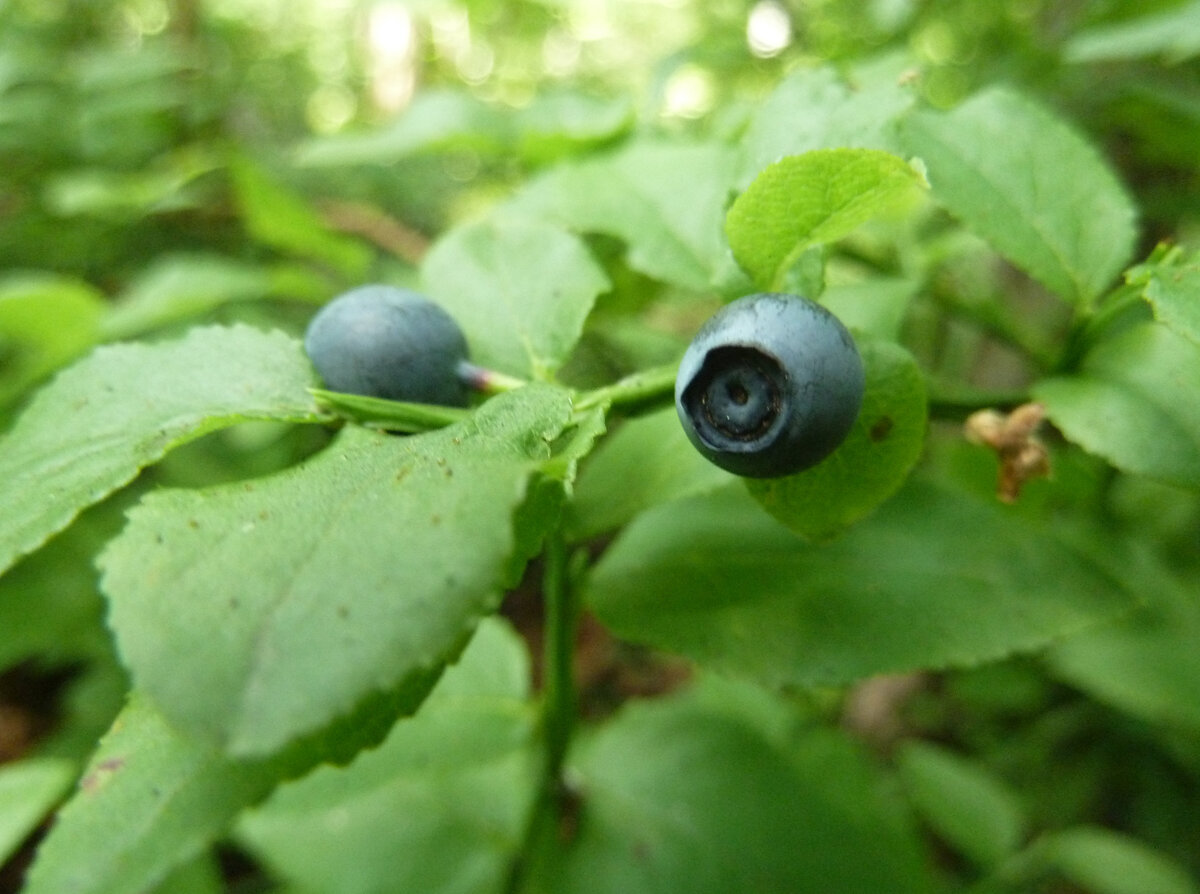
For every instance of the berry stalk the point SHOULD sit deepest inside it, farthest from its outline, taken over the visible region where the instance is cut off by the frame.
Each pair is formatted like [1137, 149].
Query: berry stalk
[484, 380]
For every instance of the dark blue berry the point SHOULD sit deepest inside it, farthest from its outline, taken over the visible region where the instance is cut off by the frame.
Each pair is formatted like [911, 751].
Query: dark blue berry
[388, 342]
[770, 386]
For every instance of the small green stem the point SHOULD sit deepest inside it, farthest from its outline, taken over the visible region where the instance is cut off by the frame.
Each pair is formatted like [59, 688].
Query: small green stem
[645, 390]
[560, 705]
[392, 415]
[991, 319]
[1091, 324]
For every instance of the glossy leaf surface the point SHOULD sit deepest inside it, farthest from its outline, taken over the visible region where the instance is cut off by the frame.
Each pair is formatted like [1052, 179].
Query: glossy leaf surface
[810, 199]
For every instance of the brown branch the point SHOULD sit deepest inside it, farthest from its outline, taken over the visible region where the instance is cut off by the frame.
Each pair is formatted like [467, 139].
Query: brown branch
[360, 219]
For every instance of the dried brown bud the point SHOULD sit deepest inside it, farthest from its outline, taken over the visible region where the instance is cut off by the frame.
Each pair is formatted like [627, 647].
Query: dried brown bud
[1014, 438]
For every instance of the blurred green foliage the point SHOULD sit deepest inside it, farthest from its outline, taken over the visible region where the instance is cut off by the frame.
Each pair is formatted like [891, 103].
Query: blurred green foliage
[170, 162]
[119, 121]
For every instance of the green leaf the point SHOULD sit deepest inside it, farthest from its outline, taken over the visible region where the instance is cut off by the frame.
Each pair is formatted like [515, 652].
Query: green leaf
[933, 579]
[182, 287]
[390, 415]
[446, 120]
[150, 800]
[50, 605]
[588, 426]
[441, 805]
[646, 461]
[520, 290]
[1030, 185]
[664, 200]
[1173, 34]
[1171, 283]
[120, 409]
[871, 463]
[816, 109]
[45, 322]
[88, 704]
[203, 875]
[437, 120]
[678, 797]
[804, 200]
[1132, 403]
[875, 307]
[284, 220]
[556, 124]
[1107, 862]
[29, 789]
[1146, 664]
[968, 807]
[122, 197]
[256, 612]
